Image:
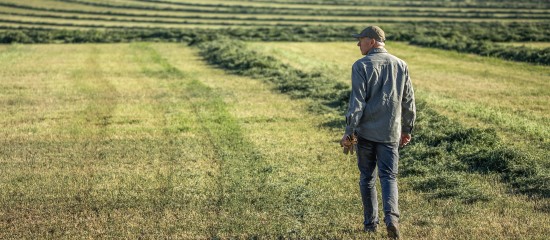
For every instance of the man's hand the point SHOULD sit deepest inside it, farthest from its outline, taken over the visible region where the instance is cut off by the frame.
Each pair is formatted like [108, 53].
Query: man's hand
[405, 139]
[348, 143]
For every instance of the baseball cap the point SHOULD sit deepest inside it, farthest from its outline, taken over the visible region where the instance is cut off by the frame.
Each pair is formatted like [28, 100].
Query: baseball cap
[373, 32]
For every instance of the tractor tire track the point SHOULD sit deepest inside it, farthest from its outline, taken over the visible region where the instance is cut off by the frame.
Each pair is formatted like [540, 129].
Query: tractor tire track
[240, 184]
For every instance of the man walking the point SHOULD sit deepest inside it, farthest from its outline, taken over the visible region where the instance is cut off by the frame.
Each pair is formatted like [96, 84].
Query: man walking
[379, 120]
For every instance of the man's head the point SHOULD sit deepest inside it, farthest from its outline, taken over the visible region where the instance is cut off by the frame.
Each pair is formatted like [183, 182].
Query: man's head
[370, 37]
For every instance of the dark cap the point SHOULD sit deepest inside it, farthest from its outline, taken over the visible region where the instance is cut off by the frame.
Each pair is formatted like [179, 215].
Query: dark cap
[373, 32]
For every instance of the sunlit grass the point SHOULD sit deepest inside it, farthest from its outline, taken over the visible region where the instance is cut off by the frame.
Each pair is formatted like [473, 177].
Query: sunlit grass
[100, 144]
[510, 96]
[243, 14]
[146, 140]
[529, 44]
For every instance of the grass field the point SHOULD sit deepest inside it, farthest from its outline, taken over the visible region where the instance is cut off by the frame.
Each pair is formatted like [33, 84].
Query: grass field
[511, 97]
[227, 139]
[215, 13]
[529, 44]
[146, 140]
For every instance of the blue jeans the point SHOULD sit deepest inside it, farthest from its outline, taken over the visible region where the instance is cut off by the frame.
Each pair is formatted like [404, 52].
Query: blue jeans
[386, 156]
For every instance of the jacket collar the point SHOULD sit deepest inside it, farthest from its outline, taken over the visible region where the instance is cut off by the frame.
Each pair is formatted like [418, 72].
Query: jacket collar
[377, 50]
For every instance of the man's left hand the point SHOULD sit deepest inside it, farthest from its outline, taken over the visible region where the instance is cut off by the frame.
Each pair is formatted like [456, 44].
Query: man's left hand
[405, 139]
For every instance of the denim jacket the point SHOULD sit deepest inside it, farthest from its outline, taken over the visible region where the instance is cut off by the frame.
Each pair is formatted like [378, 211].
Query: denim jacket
[381, 104]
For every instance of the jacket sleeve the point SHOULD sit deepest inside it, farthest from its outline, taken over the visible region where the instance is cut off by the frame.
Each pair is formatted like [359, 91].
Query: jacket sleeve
[408, 107]
[357, 97]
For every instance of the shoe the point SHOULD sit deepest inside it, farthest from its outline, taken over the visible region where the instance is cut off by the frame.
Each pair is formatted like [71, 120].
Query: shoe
[371, 228]
[393, 231]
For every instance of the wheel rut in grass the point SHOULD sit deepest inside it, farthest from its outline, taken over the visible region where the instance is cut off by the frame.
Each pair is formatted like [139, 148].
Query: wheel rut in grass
[89, 131]
[462, 150]
[239, 181]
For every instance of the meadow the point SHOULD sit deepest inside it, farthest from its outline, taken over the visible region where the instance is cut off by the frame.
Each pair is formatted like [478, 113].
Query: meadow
[146, 140]
[190, 119]
[511, 97]
[98, 14]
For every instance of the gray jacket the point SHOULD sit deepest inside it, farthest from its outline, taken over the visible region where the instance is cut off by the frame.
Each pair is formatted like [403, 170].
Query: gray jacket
[381, 104]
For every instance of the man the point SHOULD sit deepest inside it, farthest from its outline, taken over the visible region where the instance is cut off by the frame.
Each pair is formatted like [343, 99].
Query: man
[379, 120]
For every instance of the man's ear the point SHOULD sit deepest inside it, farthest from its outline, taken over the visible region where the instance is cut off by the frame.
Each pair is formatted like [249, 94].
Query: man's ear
[372, 41]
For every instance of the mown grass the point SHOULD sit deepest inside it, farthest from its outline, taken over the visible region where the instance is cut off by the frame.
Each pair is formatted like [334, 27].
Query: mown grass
[163, 154]
[84, 155]
[121, 23]
[510, 97]
[464, 30]
[526, 4]
[153, 17]
[460, 144]
[146, 140]
[193, 14]
[164, 20]
[457, 154]
[349, 4]
[224, 9]
[130, 144]
[538, 45]
[520, 119]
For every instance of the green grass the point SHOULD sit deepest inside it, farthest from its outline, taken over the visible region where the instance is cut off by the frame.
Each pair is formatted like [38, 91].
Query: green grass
[508, 97]
[127, 143]
[146, 140]
[537, 45]
[526, 4]
[456, 153]
[185, 14]
[511, 97]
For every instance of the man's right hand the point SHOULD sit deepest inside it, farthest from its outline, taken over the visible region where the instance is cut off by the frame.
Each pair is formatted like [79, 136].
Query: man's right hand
[348, 143]
[405, 139]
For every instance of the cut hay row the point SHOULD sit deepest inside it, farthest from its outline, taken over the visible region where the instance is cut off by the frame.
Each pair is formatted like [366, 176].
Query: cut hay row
[480, 149]
[77, 17]
[412, 13]
[119, 24]
[536, 45]
[242, 20]
[468, 34]
[138, 13]
[523, 4]
[227, 9]
[343, 5]
[365, 8]
[160, 22]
